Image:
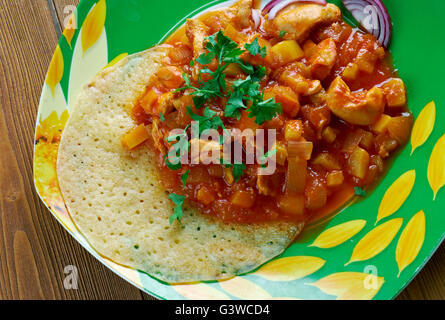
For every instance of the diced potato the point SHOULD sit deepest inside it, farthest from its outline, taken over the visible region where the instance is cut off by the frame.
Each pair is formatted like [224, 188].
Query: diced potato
[366, 61]
[329, 134]
[281, 155]
[309, 48]
[292, 204]
[395, 93]
[205, 195]
[359, 163]
[351, 141]
[243, 199]
[327, 161]
[316, 195]
[286, 96]
[400, 128]
[382, 124]
[301, 149]
[228, 176]
[135, 137]
[296, 175]
[233, 70]
[385, 144]
[148, 100]
[286, 51]
[367, 139]
[231, 32]
[293, 130]
[351, 71]
[335, 179]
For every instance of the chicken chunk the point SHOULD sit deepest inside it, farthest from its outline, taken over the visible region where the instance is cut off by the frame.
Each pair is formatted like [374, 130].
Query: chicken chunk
[243, 13]
[196, 32]
[298, 20]
[323, 59]
[360, 108]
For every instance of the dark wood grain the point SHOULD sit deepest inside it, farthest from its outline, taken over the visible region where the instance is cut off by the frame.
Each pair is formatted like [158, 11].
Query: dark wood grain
[34, 248]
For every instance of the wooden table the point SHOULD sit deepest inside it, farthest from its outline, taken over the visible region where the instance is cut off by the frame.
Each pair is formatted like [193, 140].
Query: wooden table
[34, 248]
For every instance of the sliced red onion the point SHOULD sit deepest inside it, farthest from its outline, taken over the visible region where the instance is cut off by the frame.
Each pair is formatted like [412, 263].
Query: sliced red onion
[275, 6]
[256, 17]
[373, 16]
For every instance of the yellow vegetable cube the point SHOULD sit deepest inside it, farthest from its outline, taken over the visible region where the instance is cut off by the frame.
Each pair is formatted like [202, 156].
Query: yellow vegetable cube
[293, 130]
[281, 155]
[329, 134]
[351, 72]
[148, 100]
[135, 137]
[359, 163]
[335, 179]
[382, 124]
[395, 93]
[327, 161]
[287, 51]
[292, 204]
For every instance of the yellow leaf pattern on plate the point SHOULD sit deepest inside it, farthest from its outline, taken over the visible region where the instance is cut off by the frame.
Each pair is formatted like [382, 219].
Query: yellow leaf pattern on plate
[200, 291]
[70, 29]
[55, 72]
[436, 167]
[93, 25]
[376, 240]
[244, 289]
[339, 234]
[423, 126]
[411, 241]
[396, 195]
[290, 268]
[350, 285]
[116, 60]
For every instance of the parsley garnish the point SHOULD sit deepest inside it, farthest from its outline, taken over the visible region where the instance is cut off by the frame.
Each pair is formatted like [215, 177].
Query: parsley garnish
[282, 34]
[184, 177]
[209, 120]
[255, 49]
[245, 92]
[238, 170]
[267, 155]
[180, 147]
[359, 192]
[161, 115]
[177, 212]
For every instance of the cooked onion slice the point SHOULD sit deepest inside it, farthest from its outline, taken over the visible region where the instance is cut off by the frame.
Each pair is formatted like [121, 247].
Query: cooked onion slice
[373, 17]
[275, 6]
[257, 18]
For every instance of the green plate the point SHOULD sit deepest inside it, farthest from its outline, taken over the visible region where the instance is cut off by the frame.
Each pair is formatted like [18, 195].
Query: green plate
[369, 250]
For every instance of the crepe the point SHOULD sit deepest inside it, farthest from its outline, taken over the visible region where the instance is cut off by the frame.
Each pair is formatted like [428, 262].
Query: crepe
[118, 203]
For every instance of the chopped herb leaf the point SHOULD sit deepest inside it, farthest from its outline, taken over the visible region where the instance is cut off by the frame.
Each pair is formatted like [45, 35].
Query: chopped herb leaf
[359, 192]
[184, 177]
[238, 170]
[178, 200]
[162, 117]
[255, 49]
[267, 155]
[264, 110]
[282, 34]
